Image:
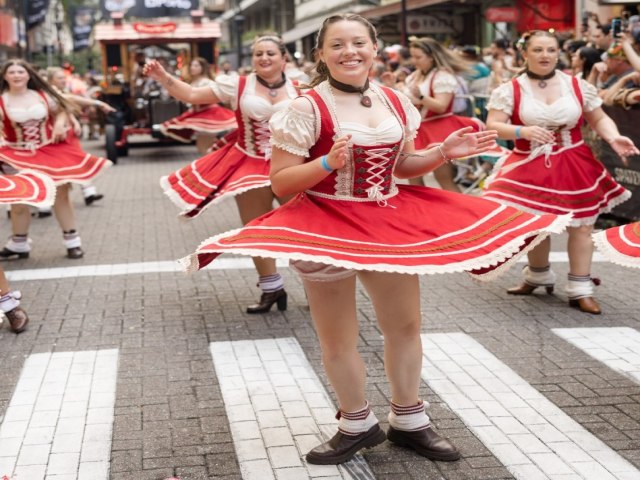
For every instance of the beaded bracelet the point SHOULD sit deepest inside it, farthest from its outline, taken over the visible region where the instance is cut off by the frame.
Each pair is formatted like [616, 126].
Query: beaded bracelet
[446, 159]
[325, 164]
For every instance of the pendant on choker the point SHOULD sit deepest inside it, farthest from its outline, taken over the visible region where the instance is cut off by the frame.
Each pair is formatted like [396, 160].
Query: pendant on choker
[365, 100]
[542, 79]
[273, 87]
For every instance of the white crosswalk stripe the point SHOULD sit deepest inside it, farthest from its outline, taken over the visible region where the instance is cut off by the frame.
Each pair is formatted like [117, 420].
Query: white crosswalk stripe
[530, 435]
[278, 410]
[60, 418]
[618, 348]
[224, 263]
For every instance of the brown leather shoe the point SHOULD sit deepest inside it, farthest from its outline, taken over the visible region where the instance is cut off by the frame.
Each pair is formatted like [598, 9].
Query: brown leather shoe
[426, 442]
[341, 448]
[75, 252]
[18, 319]
[526, 289]
[587, 305]
[267, 300]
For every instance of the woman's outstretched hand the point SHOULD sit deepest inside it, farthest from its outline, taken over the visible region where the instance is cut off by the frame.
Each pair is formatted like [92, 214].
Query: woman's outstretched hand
[625, 148]
[154, 70]
[466, 143]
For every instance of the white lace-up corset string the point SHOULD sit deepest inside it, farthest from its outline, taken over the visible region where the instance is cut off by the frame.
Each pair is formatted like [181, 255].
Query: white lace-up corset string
[379, 173]
[565, 139]
[31, 138]
[261, 136]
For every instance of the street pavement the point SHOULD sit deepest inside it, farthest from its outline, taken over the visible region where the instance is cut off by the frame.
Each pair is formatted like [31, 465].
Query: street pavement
[132, 370]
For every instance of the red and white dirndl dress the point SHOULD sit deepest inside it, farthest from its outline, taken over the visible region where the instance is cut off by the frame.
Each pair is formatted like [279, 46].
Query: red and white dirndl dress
[235, 167]
[28, 146]
[620, 245]
[435, 127]
[563, 178]
[358, 218]
[28, 187]
[211, 119]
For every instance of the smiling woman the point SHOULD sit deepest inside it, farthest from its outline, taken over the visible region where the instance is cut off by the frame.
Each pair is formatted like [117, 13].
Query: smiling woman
[340, 154]
[37, 135]
[240, 169]
[551, 170]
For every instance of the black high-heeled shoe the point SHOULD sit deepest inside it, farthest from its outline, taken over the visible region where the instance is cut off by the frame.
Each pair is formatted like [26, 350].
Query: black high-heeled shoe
[267, 300]
[75, 252]
[8, 254]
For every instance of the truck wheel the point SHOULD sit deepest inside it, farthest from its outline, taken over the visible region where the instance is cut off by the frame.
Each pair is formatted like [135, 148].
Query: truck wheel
[110, 143]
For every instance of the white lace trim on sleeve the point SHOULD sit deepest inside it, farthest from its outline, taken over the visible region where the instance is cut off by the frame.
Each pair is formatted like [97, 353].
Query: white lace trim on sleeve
[502, 99]
[293, 131]
[413, 117]
[444, 82]
[225, 88]
[590, 98]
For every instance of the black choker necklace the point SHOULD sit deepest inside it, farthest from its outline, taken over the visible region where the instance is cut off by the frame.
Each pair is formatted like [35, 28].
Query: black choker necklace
[365, 100]
[542, 79]
[273, 87]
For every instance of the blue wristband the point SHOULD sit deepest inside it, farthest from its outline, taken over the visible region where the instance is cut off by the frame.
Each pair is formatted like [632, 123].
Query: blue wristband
[325, 164]
[518, 132]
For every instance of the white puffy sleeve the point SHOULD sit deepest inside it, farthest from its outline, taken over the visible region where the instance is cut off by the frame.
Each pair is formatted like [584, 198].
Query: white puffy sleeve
[590, 98]
[293, 131]
[502, 99]
[225, 87]
[413, 117]
[444, 82]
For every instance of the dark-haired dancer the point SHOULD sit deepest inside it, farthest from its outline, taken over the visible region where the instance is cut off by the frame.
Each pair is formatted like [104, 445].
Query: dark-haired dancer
[35, 135]
[201, 121]
[240, 169]
[551, 169]
[339, 148]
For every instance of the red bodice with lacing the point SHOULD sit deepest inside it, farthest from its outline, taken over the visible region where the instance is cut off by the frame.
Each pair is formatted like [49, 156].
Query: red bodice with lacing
[28, 146]
[225, 172]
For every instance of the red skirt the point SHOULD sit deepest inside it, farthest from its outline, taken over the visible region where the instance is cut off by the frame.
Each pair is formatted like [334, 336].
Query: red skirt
[221, 174]
[64, 162]
[420, 231]
[569, 181]
[620, 245]
[213, 119]
[28, 187]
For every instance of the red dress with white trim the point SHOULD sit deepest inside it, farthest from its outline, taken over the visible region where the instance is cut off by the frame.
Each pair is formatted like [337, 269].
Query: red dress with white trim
[621, 244]
[560, 178]
[236, 167]
[26, 144]
[206, 119]
[359, 218]
[29, 187]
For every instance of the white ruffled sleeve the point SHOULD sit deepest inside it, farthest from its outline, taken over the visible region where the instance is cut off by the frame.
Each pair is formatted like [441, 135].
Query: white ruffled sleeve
[502, 99]
[225, 87]
[413, 117]
[293, 131]
[590, 98]
[444, 82]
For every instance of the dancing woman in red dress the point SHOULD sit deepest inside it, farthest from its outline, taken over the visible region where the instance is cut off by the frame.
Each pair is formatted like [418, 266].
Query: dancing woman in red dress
[240, 169]
[551, 169]
[35, 135]
[30, 188]
[339, 148]
[201, 121]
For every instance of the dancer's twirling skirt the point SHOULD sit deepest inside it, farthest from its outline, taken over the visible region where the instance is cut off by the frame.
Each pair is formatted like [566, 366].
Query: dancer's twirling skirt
[620, 245]
[28, 187]
[211, 120]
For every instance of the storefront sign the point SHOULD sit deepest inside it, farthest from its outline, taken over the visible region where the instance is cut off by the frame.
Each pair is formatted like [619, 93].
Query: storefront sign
[437, 23]
[149, 8]
[502, 14]
[154, 29]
